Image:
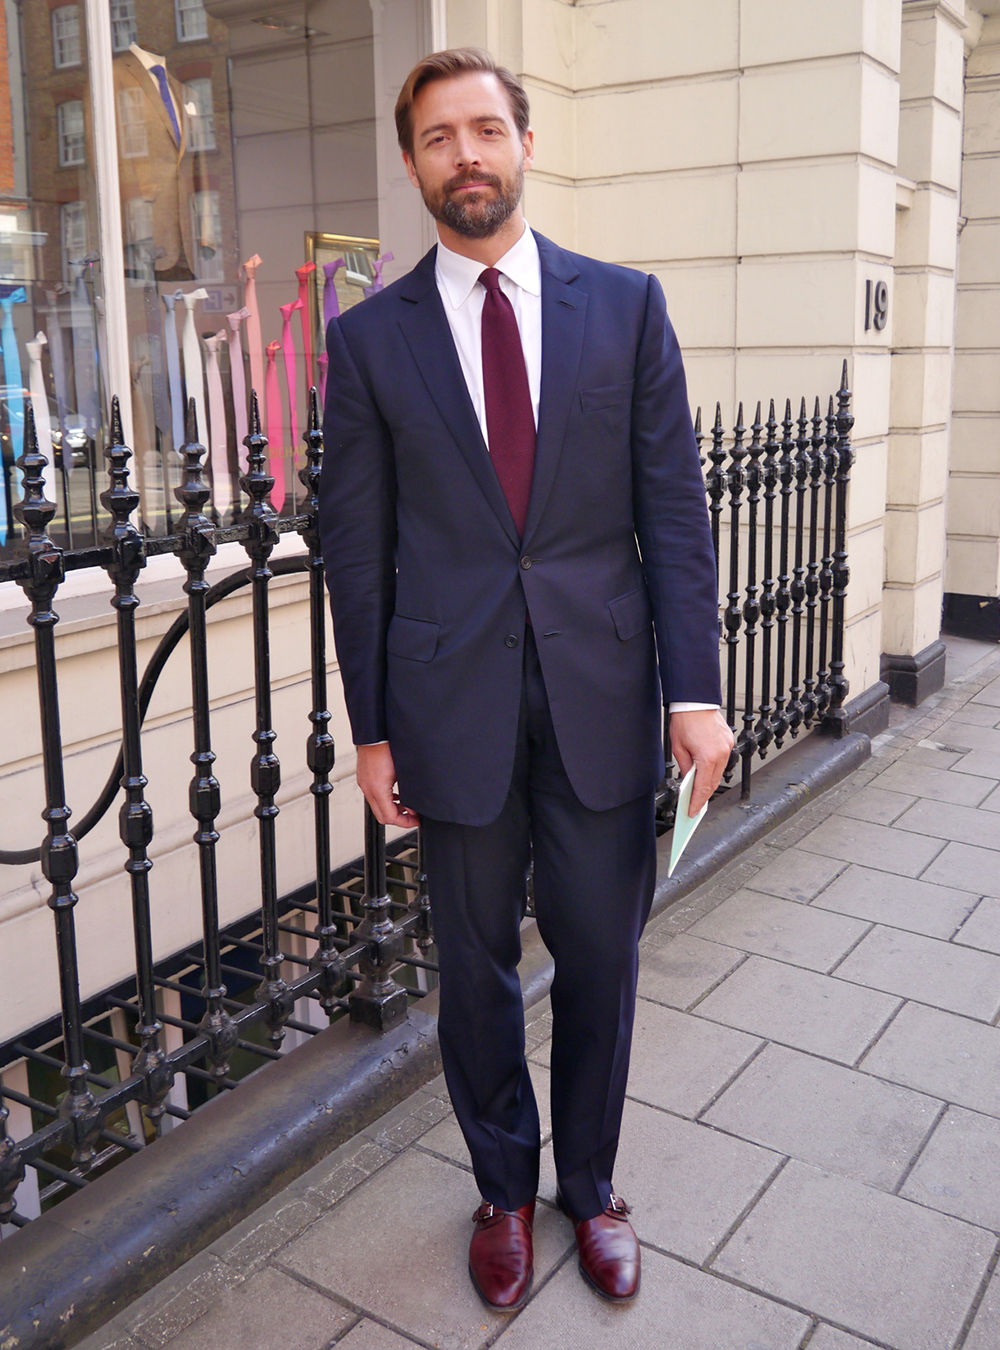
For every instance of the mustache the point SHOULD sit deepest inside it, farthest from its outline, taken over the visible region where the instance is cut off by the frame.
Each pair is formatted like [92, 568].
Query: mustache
[487, 179]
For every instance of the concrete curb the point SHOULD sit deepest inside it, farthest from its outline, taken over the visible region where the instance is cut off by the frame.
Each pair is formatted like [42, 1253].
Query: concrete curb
[71, 1270]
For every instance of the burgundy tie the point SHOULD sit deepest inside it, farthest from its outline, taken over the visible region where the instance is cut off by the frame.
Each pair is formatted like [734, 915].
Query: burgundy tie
[510, 422]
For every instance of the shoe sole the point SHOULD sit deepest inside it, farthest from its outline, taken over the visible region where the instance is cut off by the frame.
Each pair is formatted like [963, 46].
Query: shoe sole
[609, 1298]
[502, 1307]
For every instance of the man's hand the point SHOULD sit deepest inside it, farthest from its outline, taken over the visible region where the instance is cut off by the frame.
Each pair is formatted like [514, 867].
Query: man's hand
[701, 738]
[376, 776]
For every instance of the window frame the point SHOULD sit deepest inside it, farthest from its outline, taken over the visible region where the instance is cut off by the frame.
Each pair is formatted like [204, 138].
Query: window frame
[64, 136]
[190, 7]
[129, 17]
[64, 10]
[202, 119]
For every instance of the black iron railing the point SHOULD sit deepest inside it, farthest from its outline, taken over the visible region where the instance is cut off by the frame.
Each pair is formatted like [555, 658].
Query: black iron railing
[778, 506]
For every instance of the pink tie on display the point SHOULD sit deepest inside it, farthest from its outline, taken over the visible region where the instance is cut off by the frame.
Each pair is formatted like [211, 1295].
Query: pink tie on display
[236, 374]
[303, 274]
[254, 341]
[276, 460]
[331, 305]
[377, 283]
[322, 361]
[288, 346]
[218, 443]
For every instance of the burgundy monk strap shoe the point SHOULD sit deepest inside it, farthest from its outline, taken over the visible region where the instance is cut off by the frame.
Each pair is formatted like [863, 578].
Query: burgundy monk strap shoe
[500, 1255]
[608, 1250]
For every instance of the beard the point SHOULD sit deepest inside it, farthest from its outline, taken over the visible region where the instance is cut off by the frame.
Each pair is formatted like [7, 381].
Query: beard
[485, 213]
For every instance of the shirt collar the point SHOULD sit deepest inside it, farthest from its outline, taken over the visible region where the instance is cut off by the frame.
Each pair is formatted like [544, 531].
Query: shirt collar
[458, 274]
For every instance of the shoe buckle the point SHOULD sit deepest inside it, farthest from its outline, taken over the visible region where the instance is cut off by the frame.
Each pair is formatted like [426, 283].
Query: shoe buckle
[618, 1206]
[485, 1211]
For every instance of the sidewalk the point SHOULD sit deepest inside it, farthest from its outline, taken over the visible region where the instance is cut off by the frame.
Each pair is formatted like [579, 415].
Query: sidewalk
[812, 1137]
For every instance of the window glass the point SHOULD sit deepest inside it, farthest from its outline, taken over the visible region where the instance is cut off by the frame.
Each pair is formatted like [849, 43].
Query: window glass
[123, 24]
[200, 113]
[66, 36]
[50, 276]
[192, 21]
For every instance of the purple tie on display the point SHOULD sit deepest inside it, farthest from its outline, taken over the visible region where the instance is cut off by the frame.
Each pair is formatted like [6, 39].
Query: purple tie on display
[510, 421]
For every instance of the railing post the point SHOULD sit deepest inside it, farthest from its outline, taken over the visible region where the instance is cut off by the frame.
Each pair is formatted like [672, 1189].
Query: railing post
[320, 752]
[783, 597]
[765, 725]
[197, 548]
[265, 770]
[810, 700]
[732, 618]
[826, 564]
[59, 852]
[798, 587]
[11, 1166]
[836, 719]
[135, 819]
[751, 607]
[378, 1000]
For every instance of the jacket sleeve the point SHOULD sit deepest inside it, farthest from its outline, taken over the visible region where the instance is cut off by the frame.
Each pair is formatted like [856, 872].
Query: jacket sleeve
[357, 522]
[671, 515]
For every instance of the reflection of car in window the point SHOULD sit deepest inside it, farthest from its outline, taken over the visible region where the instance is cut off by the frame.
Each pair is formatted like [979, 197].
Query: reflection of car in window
[12, 414]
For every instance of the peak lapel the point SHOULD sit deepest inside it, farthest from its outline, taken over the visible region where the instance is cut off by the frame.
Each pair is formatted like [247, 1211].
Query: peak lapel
[564, 313]
[425, 328]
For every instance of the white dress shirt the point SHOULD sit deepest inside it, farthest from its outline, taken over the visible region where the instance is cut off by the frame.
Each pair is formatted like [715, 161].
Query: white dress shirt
[463, 297]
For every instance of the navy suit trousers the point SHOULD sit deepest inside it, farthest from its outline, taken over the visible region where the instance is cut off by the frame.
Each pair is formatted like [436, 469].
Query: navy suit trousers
[593, 886]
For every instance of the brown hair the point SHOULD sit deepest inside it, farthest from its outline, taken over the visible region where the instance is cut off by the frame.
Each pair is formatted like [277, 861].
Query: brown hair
[447, 66]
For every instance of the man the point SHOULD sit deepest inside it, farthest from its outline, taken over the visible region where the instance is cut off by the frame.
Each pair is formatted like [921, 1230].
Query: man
[502, 426]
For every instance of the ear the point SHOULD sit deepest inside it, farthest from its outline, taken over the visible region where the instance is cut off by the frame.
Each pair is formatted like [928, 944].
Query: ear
[411, 172]
[528, 144]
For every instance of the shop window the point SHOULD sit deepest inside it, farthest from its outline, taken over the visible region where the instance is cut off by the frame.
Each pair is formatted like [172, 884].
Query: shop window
[201, 127]
[206, 231]
[66, 36]
[124, 30]
[73, 231]
[69, 121]
[192, 21]
[132, 139]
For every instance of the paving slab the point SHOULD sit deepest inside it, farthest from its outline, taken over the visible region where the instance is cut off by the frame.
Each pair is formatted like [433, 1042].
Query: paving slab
[959, 1170]
[982, 928]
[678, 1307]
[985, 1331]
[966, 866]
[929, 754]
[962, 735]
[795, 875]
[685, 969]
[981, 763]
[680, 1062]
[879, 846]
[989, 694]
[940, 785]
[368, 1335]
[783, 929]
[826, 1337]
[397, 1248]
[822, 1113]
[942, 1054]
[900, 902]
[801, 1008]
[992, 802]
[876, 802]
[687, 1183]
[944, 820]
[874, 1263]
[927, 970]
[977, 715]
[269, 1309]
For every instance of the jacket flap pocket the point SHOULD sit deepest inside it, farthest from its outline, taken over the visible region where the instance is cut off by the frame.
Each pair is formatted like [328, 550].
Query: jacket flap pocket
[606, 397]
[632, 613]
[415, 638]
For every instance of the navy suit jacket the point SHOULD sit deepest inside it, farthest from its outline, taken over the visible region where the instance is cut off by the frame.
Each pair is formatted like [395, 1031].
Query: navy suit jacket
[430, 584]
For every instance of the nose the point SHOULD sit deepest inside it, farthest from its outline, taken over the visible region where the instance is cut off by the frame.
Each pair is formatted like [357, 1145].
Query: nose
[466, 151]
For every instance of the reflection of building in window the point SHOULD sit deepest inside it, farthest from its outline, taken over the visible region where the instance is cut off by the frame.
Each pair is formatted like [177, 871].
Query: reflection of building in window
[69, 121]
[206, 227]
[139, 239]
[192, 21]
[123, 26]
[131, 123]
[73, 228]
[201, 127]
[66, 36]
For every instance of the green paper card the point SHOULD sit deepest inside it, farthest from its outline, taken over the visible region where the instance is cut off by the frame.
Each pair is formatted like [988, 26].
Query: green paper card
[684, 825]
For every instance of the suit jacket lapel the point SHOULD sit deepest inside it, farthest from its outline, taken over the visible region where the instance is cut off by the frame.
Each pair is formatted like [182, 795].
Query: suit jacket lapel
[428, 335]
[564, 312]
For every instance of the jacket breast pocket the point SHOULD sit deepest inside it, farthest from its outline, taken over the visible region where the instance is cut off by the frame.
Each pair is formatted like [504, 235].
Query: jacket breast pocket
[632, 613]
[591, 400]
[415, 639]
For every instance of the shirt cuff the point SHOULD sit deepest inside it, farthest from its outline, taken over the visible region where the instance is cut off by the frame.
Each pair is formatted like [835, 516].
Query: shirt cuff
[364, 744]
[692, 707]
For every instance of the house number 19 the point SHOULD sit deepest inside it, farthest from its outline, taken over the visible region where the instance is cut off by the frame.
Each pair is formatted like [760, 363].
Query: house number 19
[876, 305]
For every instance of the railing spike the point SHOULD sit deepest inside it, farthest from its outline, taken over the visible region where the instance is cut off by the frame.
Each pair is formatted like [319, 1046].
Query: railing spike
[313, 409]
[191, 422]
[254, 413]
[117, 435]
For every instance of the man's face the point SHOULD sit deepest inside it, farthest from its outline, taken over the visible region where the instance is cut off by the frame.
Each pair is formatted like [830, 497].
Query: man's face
[468, 158]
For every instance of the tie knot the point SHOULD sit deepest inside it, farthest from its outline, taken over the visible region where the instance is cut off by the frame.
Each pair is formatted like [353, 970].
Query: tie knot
[490, 278]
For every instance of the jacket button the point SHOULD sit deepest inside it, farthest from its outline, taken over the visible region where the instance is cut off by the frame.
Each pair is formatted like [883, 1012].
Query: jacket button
[510, 640]
[526, 562]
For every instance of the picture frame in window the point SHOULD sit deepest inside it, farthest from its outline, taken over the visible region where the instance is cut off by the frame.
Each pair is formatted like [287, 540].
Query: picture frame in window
[359, 256]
